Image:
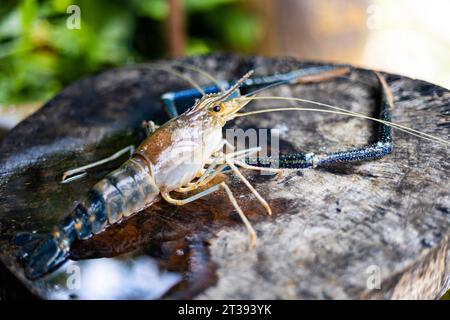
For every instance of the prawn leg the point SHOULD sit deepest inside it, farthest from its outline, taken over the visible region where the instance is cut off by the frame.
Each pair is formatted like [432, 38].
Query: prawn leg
[252, 189]
[380, 148]
[223, 185]
[176, 102]
[250, 230]
[196, 196]
[229, 161]
[212, 171]
[78, 173]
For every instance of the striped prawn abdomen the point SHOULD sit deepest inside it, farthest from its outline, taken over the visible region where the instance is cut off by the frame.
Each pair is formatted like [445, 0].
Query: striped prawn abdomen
[123, 192]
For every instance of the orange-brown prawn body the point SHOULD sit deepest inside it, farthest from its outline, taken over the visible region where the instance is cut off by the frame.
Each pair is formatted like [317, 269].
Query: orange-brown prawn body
[176, 152]
[169, 158]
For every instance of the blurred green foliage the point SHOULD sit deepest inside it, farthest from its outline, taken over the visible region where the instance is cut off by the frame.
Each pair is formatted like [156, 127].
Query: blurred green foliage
[39, 55]
[446, 296]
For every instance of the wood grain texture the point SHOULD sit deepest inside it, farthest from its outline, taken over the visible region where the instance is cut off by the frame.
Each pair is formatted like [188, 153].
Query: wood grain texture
[331, 228]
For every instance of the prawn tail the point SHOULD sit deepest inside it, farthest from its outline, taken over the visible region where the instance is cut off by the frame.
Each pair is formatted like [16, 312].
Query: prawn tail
[43, 253]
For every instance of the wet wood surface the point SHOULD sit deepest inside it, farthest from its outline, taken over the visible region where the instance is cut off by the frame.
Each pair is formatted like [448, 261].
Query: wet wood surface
[377, 229]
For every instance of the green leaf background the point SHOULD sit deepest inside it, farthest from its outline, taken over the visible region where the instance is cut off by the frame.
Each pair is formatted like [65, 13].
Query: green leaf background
[39, 55]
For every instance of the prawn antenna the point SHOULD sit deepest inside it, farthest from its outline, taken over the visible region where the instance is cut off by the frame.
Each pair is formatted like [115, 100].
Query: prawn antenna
[336, 110]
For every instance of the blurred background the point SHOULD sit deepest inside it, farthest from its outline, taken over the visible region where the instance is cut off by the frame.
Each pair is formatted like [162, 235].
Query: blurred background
[47, 44]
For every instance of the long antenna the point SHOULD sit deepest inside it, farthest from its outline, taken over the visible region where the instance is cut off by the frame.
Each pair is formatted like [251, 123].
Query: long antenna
[391, 124]
[204, 73]
[180, 75]
[344, 111]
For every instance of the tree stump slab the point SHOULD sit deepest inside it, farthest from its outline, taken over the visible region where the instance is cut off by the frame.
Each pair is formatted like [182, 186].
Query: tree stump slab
[368, 230]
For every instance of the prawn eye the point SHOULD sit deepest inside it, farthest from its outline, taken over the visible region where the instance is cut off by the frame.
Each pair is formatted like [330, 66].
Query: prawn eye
[217, 108]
